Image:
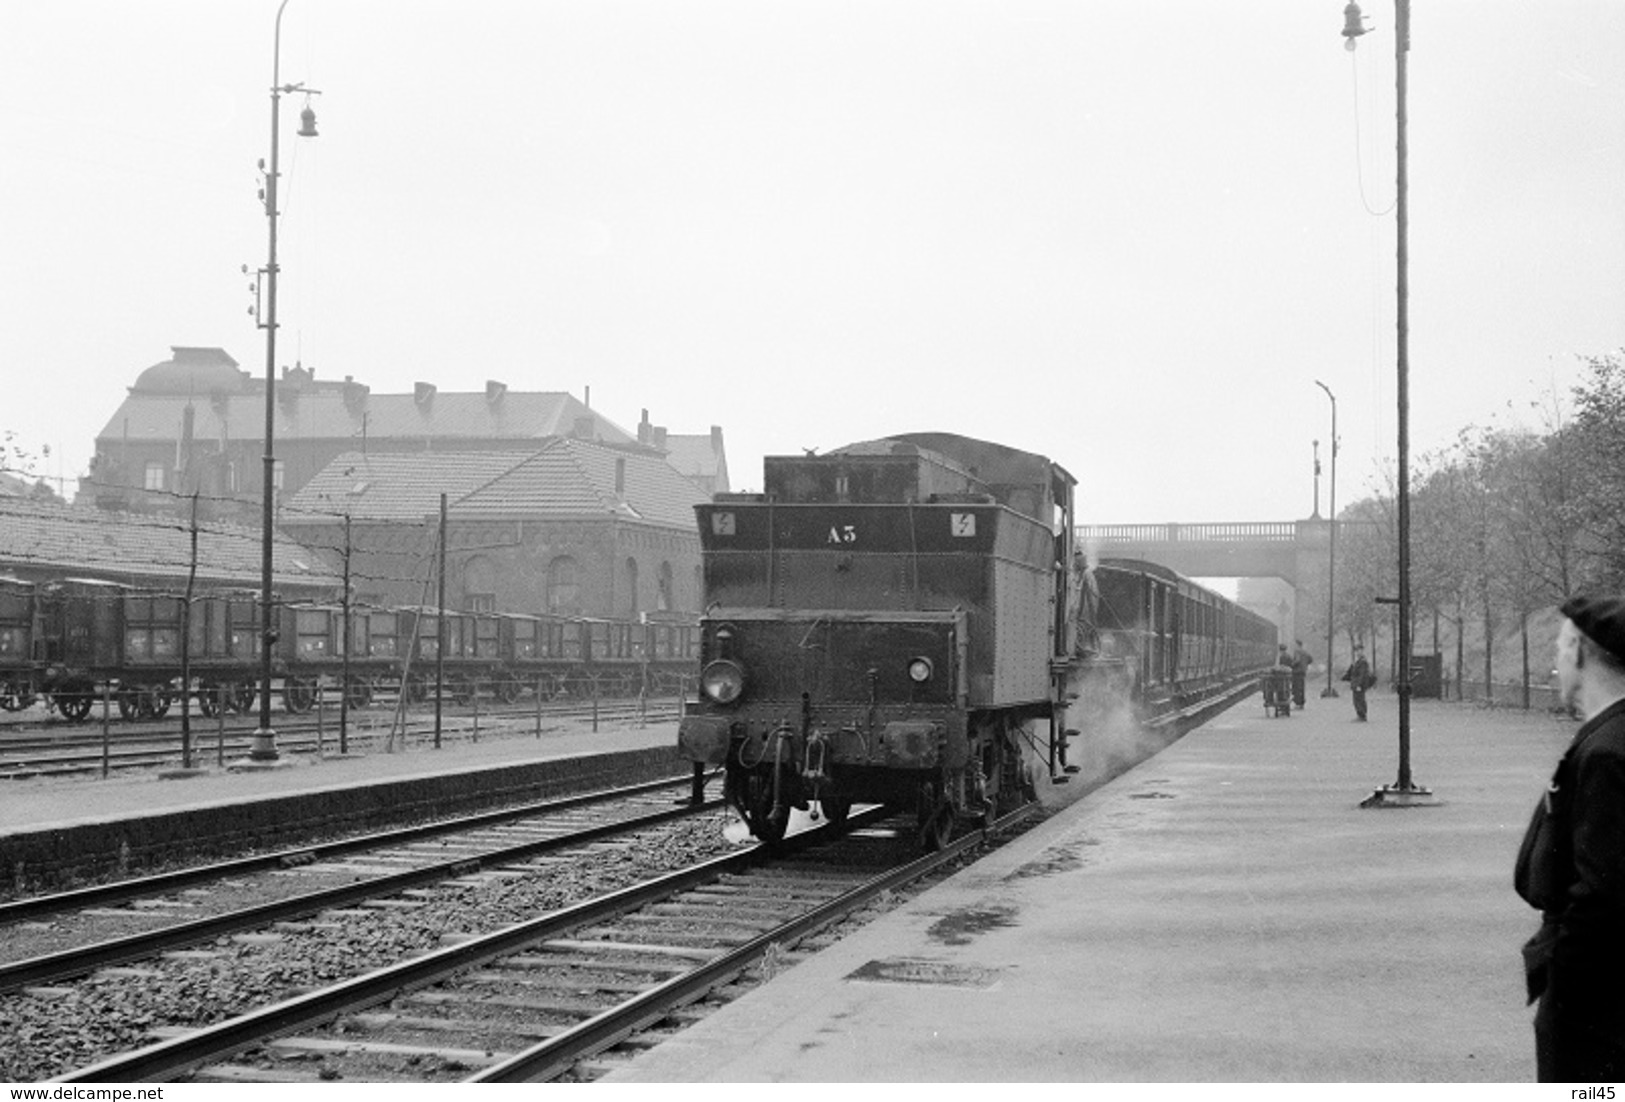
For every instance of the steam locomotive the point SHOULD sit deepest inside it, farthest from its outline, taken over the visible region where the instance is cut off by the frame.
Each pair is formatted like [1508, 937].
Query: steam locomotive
[907, 621]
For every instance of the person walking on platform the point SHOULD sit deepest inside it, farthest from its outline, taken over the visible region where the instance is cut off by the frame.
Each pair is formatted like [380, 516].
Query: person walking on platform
[1360, 678]
[1301, 661]
[1571, 865]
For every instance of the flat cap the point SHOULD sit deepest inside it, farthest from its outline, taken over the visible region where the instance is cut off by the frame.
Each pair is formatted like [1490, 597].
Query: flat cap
[1602, 619]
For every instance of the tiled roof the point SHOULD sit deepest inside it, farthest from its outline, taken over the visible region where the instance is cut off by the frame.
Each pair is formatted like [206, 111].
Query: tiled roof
[321, 413]
[565, 478]
[395, 485]
[77, 541]
[695, 456]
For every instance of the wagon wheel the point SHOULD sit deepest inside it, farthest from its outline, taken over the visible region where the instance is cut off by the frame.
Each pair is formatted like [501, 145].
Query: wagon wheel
[461, 690]
[14, 698]
[547, 687]
[73, 706]
[507, 688]
[210, 699]
[155, 700]
[129, 702]
[239, 698]
[934, 819]
[358, 692]
[297, 695]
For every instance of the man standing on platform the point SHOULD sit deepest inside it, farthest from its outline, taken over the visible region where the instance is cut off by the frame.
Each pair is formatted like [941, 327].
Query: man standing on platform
[1301, 661]
[1359, 679]
[1572, 862]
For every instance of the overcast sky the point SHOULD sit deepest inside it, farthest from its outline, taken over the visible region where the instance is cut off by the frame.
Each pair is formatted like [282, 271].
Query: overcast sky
[1128, 234]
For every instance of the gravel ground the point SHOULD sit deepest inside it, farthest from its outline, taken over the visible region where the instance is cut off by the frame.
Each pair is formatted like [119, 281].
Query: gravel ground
[47, 1032]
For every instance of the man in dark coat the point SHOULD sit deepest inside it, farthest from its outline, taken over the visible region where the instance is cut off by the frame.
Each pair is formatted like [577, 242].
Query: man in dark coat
[1359, 679]
[1301, 661]
[1572, 862]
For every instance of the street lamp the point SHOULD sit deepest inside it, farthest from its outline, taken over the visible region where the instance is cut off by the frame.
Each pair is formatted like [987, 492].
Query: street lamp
[1331, 567]
[263, 748]
[1403, 792]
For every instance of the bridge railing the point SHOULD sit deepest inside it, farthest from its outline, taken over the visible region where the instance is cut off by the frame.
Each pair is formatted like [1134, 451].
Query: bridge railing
[1249, 531]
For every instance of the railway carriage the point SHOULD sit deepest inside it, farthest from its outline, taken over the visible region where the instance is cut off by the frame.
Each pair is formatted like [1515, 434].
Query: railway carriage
[17, 633]
[74, 639]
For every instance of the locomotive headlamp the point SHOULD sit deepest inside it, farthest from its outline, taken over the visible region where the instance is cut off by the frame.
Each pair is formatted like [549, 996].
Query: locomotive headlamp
[919, 669]
[722, 681]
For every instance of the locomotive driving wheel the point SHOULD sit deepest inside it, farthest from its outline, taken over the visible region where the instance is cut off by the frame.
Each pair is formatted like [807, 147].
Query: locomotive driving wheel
[752, 794]
[835, 809]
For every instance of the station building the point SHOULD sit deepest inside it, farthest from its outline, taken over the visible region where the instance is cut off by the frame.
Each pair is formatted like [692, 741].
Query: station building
[195, 423]
[568, 526]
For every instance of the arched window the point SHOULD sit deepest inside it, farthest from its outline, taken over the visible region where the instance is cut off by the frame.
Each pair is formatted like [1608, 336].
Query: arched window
[631, 598]
[563, 589]
[480, 584]
[663, 599]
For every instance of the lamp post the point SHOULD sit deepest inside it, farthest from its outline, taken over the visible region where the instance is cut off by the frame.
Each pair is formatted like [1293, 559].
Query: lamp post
[1331, 567]
[1403, 792]
[263, 748]
[1316, 514]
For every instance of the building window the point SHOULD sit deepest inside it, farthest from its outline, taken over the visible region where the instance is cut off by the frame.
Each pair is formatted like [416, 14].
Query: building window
[480, 584]
[563, 588]
[663, 599]
[155, 476]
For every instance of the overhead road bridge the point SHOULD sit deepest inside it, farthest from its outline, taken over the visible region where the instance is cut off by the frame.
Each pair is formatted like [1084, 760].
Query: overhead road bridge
[1293, 551]
[1297, 552]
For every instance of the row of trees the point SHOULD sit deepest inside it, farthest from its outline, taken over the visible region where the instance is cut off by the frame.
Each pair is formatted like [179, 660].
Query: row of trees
[1505, 523]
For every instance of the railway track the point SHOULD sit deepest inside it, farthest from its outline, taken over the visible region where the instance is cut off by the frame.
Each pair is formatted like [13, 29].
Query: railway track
[546, 997]
[259, 938]
[261, 890]
[76, 752]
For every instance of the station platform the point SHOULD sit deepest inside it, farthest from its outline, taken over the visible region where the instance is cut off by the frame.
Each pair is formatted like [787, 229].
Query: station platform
[1225, 911]
[55, 831]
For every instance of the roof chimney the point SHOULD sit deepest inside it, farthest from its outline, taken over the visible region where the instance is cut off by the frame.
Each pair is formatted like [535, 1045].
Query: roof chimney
[659, 437]
[355, 395]
[643, 428]
[423, 395]
[494, 391]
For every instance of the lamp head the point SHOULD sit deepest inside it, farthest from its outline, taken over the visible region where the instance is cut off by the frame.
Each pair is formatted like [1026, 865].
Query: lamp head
[307, 122]
[1353, 25]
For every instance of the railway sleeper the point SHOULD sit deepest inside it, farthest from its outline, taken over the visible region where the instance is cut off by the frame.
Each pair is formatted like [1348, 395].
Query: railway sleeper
[572, 1008]
[343, 1047]
[578, 984]
[379, 1022]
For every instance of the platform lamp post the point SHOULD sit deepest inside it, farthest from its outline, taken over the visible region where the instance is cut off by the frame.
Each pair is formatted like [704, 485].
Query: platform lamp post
[263, 749]
[1404, 792]
[1329, 692]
